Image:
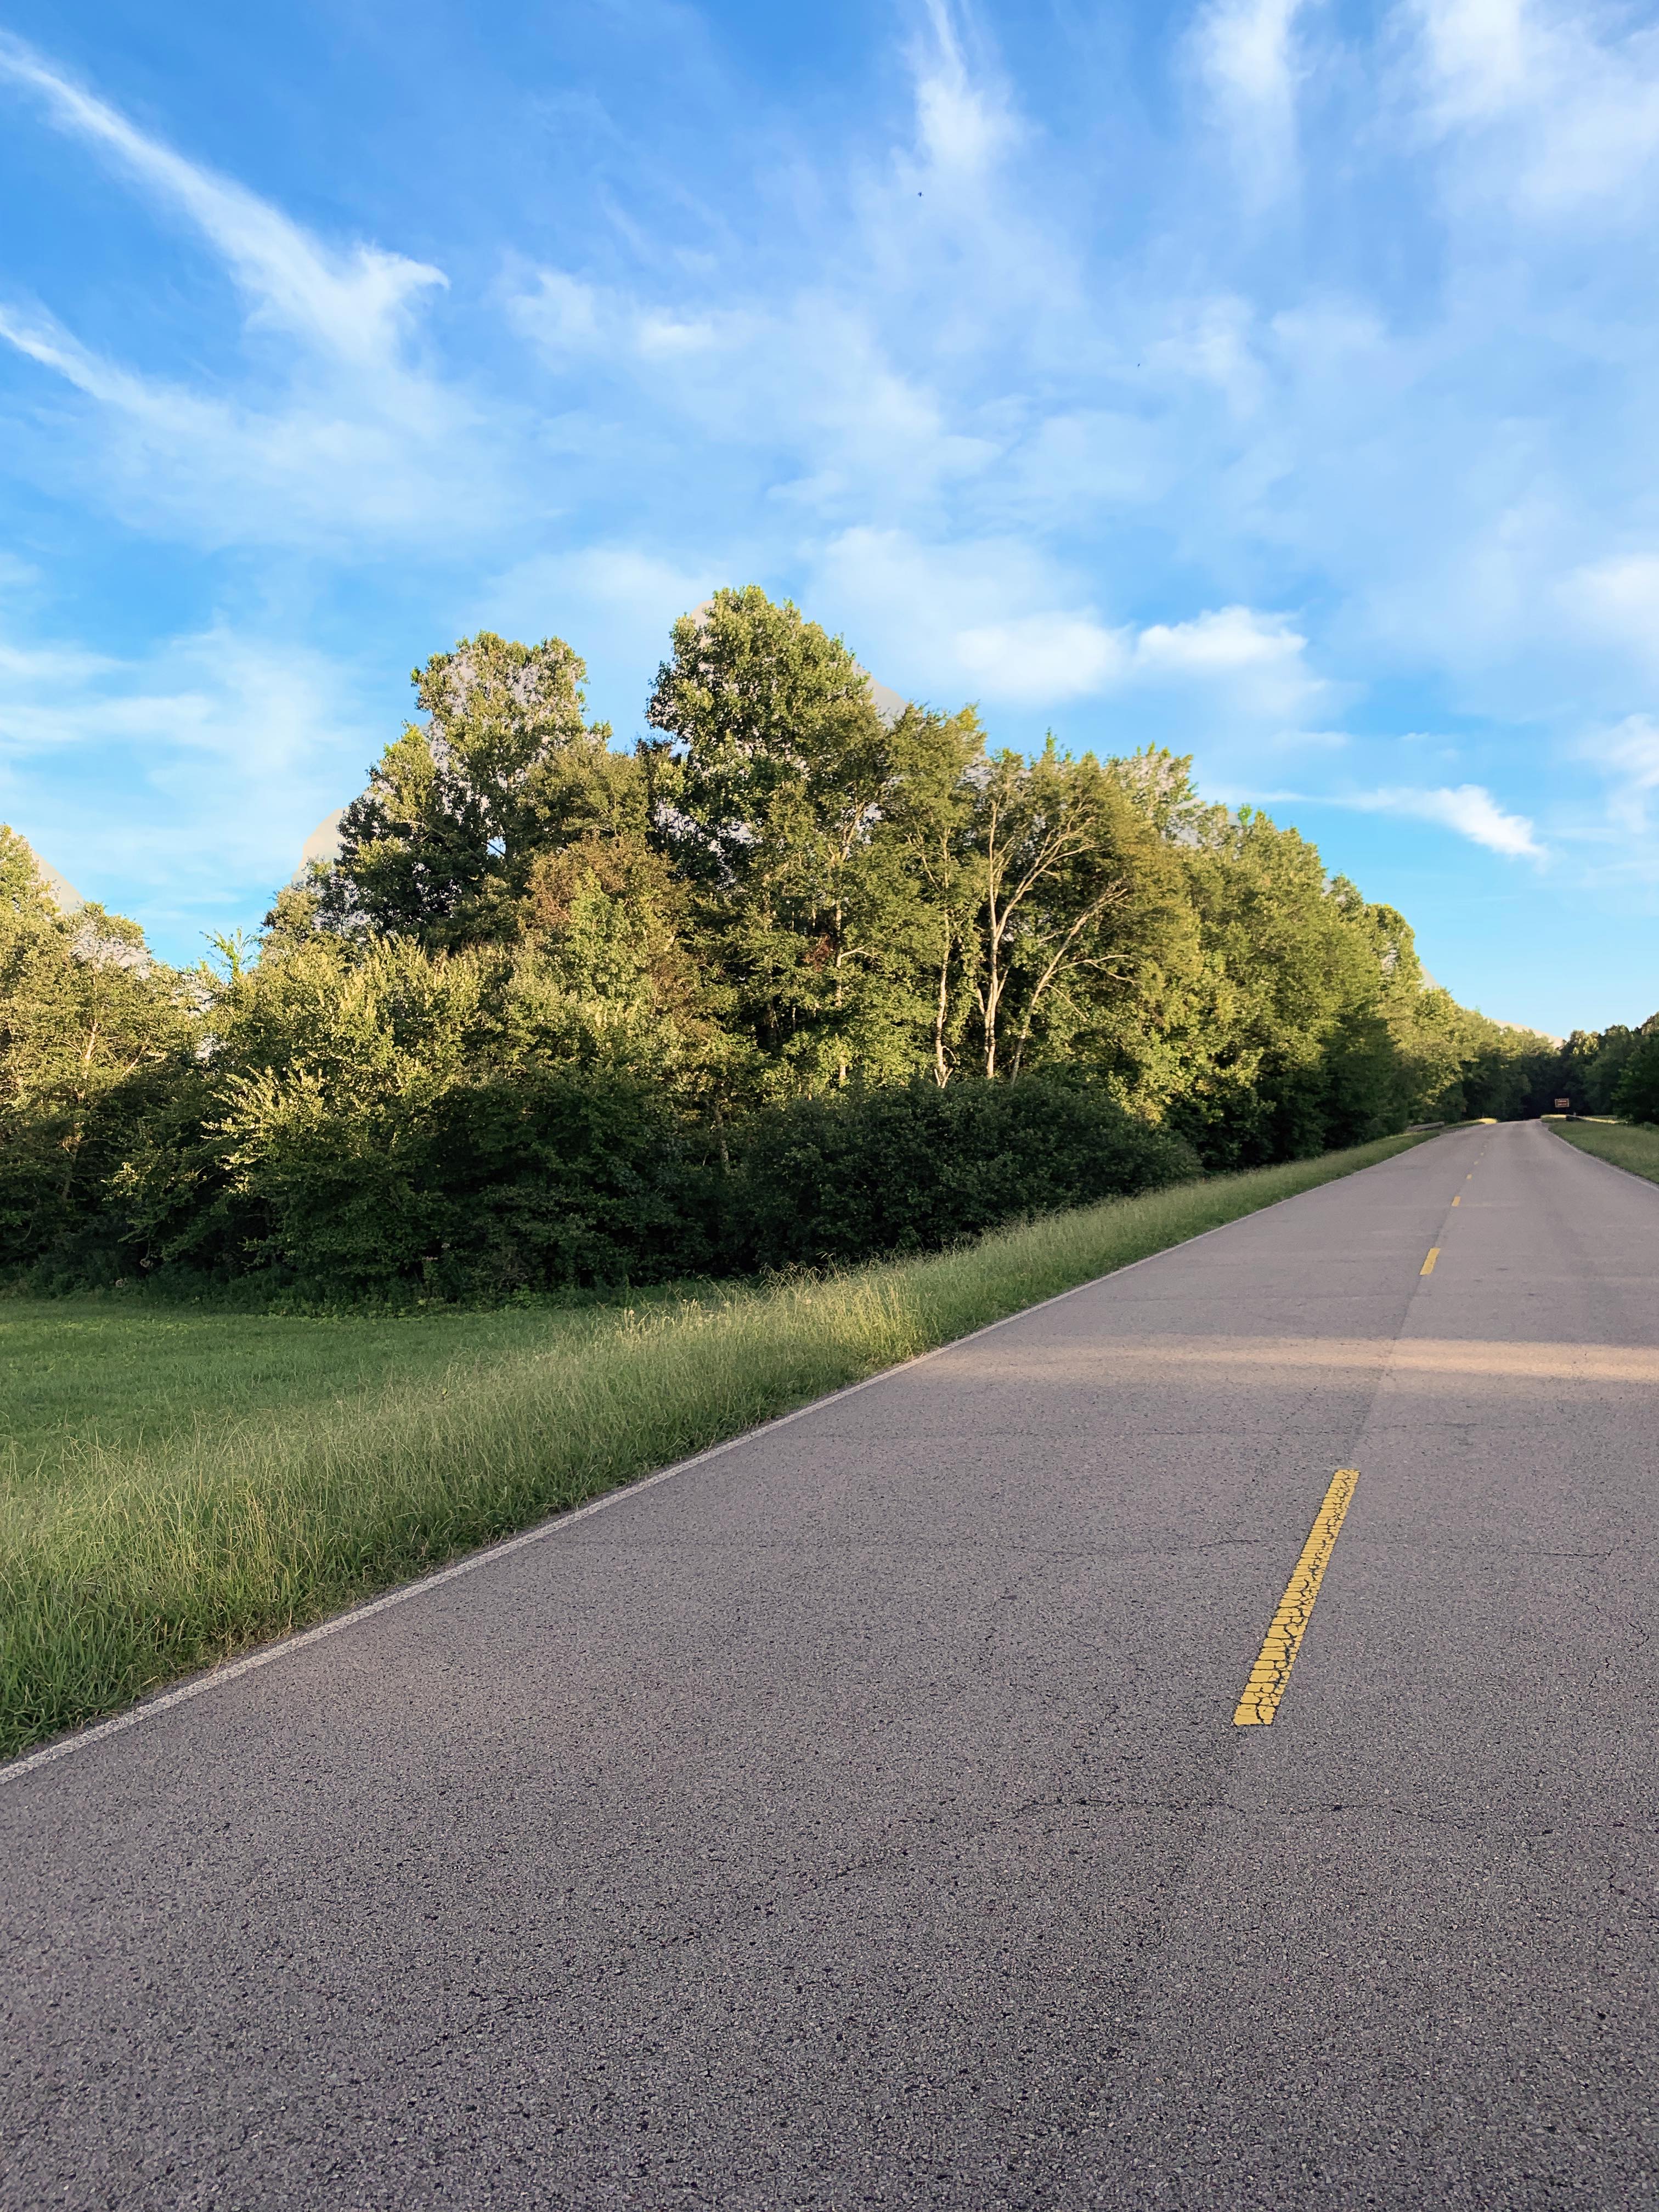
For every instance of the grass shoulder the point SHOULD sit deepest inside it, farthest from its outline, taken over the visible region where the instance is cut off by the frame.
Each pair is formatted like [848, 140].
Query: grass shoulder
[179, 1484]
[1626, 1145]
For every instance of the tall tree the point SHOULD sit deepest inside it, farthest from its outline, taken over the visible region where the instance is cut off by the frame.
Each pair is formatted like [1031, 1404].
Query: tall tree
[772, 795]
[1613, 1048]
[1074, 895]
[1636, 1094]
[930, 916]
[505, 767]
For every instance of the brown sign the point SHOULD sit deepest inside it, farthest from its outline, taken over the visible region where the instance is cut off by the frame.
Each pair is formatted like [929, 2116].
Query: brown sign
[1564, 1105]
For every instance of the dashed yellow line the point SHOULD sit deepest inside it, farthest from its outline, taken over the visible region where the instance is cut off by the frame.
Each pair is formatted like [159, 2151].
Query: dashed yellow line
[1458, 1201]
[1271, 1671]
[1427, 1267]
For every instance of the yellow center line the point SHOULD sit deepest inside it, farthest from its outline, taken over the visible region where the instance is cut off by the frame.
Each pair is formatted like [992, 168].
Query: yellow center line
[1427, 1267]
[1271, 1671]
[1458, 1201]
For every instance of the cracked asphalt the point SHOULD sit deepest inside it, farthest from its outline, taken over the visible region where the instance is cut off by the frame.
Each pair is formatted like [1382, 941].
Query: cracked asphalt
[857, 1819]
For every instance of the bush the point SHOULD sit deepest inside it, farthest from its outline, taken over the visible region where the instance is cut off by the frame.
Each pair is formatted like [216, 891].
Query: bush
[393, 1124]
[537, 1180]
[915, 1167]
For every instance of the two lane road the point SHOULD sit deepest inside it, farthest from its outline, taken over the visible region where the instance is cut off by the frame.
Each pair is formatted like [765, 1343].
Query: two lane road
[859, 1817]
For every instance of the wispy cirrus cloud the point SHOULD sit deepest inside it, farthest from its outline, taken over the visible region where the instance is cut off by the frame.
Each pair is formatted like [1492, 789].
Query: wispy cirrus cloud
[965, 119]
[353, 302]
[1562, 100]
[1628, 757]
[338, 434]
[1245, 54]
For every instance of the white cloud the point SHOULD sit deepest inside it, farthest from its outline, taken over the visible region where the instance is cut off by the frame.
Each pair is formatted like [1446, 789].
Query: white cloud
[1628, 756]
[963, 123]
[560, 315]
[354, 303]
[1562, 100]
[377, 461]
[1616, 601]
[1209, 341]
[1482, 54]
[339, 435]
[907, 605]
[1244, 50]
[1041, 659]
[666, 335]
[981, 617]
[989, 618]
[1468, 809]
[228, 746]
[1222, 642]
[806, 383]
[1257, 662]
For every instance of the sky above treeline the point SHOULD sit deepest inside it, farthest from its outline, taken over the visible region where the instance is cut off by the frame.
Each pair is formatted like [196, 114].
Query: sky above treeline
[1269, 379]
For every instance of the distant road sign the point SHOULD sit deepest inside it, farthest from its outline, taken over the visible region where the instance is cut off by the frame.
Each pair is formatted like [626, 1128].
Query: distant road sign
[1564, 1105]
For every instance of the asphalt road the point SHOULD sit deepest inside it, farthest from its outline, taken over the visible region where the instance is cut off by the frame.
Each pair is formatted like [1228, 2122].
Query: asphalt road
[858, 1819]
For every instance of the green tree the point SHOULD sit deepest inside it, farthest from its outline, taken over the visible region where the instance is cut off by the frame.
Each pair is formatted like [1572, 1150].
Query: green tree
[1577, 1058]
[1614, 1047]
[92, 1032]
[781, 797]
[1075, 899]
[1287, 1029]
[504, 768]
[926, 884]
[1637, 1094]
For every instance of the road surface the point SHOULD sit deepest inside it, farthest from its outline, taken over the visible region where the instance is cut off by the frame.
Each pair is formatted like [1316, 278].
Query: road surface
[858, 1819]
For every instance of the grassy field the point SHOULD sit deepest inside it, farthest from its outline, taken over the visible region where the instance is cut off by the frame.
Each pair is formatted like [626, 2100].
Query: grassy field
[179, 1484]
[1624, 1143]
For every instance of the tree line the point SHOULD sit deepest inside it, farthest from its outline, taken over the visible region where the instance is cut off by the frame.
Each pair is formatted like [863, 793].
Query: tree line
[794, 980]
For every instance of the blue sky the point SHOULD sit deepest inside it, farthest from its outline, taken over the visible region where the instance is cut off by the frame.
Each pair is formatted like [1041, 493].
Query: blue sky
[1273, 378]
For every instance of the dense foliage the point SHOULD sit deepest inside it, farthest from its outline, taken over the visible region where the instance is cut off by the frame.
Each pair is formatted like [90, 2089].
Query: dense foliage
[792, 982]
[1614, 1070]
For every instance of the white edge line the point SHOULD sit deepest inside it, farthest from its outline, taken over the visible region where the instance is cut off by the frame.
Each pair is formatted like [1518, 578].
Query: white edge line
[214, 1677]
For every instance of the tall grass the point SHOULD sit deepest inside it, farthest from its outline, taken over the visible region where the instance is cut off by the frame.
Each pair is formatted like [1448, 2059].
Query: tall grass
[139, 1544]
[1626, 1145]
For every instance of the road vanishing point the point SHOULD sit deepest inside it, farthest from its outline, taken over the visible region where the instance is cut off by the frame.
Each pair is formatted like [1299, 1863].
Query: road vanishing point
[1193, 1745]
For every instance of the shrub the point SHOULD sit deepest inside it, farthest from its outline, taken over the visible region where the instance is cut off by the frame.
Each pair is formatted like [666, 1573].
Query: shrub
[915, 1168]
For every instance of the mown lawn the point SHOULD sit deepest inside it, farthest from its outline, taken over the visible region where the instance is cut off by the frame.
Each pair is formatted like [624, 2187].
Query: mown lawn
[179, 1484]
[1625, 1144]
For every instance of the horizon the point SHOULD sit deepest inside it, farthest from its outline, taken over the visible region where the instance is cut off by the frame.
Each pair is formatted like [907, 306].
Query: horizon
[1259, 379]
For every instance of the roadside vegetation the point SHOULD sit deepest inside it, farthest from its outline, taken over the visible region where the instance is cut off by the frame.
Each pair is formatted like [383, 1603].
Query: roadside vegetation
[182, 1484]
[1634, 1147]
[799, 979]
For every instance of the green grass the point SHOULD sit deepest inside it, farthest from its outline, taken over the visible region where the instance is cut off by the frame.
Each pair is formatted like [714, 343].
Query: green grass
[1626, 1145]
[179, 1484]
